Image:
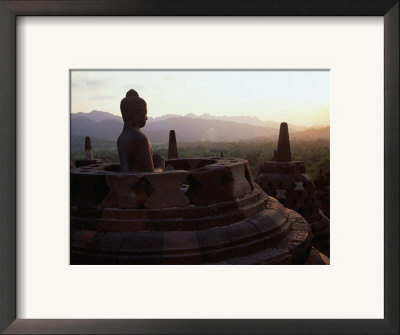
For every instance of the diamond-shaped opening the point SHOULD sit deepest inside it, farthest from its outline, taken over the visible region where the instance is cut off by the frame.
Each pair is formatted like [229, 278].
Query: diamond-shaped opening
[142, 190]
[101, 189]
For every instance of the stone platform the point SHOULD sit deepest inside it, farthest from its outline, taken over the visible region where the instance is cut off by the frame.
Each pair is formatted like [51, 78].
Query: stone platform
[199, 211]
[288, 183]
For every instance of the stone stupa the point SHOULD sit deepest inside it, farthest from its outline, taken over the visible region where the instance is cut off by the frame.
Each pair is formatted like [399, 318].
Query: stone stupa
[287, 181]
[172, 145]
[88, 158]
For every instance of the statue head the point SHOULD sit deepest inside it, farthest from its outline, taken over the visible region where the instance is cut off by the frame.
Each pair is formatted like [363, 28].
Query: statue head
[134, 109]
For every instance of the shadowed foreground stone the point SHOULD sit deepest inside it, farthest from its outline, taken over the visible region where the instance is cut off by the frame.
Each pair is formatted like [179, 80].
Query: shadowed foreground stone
[212, 212]
[317, 258]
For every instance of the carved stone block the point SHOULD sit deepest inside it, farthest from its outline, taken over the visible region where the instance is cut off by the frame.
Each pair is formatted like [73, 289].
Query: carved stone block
[122, 192]
[166, 190]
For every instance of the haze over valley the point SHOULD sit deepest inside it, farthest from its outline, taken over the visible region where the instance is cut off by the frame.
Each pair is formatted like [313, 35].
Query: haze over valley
[191, 128]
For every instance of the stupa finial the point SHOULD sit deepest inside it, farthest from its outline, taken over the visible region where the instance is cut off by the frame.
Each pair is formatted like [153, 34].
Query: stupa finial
[283, 153]
[88, 149]
[172, 146]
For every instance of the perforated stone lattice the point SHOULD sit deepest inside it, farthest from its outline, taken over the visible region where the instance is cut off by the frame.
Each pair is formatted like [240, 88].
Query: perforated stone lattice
[213, 212]
[215, 180]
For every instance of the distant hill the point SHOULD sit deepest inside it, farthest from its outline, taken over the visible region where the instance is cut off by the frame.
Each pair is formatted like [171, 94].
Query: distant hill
[193, 130]
[252, 120]
[190, 128]
[107, 129]
[312, 134]
[95, 116]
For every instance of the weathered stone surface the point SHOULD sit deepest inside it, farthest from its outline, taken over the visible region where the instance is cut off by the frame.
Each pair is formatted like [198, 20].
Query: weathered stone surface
[189, 163]
[249, 175]
[122, 192]
[92, 212]
[110, 242]
[82, 238]
[164, 224]
[166, 190]
[216, 232]
[245, 237]
[121, 225]
[192, 211]
[241, 231]
[267, 220]
[198, 223]
[317, 258]
[214, 245]
[176, 241]
[264, 257]
[238, 185]
[252, 209]
[300, 225]
[84, 223]
[79, 257]
[299, 242]
[164, 213]
[277, 206]
[118, 213]
[227, 218]
[145, 243]
[208, 186]
[298, 236]
[248, 199]
[90, 190]
[222, 207]
[84, 162]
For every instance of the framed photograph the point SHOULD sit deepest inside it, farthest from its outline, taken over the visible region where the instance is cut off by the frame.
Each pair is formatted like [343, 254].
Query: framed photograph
[159, 236]
[195, 191]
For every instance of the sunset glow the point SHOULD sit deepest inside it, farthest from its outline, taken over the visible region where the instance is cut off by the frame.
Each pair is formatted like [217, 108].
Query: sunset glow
[297, 97]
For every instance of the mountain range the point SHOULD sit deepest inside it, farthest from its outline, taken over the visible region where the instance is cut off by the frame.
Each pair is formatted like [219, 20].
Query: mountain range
[190, 128]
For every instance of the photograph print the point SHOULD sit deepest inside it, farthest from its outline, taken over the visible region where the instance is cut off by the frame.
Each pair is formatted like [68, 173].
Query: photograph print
[223, 167]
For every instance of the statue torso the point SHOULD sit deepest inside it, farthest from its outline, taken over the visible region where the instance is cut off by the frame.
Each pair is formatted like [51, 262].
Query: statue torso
[134, 151]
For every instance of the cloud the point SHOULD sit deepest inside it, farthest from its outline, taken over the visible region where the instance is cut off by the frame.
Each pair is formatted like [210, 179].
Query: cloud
[90, 83]
[75, 84]
[94, 82]
[102, 97]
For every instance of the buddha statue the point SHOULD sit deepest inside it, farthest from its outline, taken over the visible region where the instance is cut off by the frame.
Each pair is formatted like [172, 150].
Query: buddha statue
[134, 148]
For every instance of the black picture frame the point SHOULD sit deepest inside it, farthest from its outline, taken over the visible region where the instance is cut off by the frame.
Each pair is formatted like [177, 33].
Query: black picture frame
[9, 10]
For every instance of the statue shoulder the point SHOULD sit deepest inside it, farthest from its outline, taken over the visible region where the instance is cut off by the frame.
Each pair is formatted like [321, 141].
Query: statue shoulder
[141, 137]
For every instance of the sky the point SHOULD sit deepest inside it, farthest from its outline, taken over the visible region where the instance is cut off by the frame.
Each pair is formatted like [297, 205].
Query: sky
[296, 97]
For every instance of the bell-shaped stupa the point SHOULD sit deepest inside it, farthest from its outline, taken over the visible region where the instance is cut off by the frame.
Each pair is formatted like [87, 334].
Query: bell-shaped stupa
[287, 181]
